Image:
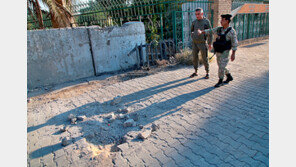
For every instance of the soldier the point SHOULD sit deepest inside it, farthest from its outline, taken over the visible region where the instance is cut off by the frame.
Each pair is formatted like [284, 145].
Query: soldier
[225, 41]
[199, 41]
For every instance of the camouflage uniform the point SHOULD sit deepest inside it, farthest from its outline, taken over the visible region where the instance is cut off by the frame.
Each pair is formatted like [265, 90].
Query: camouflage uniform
[199, 42]
[223, 58]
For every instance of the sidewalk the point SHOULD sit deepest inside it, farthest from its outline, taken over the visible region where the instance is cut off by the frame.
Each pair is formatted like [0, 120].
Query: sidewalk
[199, 125]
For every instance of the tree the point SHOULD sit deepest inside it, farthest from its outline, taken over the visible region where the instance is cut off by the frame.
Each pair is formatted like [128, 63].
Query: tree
[59, 11]
[34, 10]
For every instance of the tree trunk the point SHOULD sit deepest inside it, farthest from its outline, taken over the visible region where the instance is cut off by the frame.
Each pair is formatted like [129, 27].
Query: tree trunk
[38, 13]
[65, 18]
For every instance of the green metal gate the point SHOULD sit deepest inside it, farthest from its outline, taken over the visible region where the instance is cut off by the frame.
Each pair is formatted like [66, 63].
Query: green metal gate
[163, 19]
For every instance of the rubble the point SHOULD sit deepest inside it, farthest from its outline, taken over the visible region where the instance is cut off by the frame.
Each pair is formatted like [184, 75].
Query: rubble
[126, 110]
[154, 127]
[64, 128]
[129, 123]
[145, 134]
[81, 117]
[111, 118]
[71, 116]
[73, 120]
[121, 116]
[65, 142]
[116, 100]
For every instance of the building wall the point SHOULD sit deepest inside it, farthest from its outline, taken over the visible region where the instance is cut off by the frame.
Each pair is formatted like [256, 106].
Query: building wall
[221, 7]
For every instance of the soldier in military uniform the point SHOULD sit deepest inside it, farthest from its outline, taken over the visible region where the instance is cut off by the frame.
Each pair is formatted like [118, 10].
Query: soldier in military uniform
[199, 41]
[225, 41]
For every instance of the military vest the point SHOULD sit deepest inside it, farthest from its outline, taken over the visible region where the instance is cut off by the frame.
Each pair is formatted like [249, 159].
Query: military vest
[221, 44]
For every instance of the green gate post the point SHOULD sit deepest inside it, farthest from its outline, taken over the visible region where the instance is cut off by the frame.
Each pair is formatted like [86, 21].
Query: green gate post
[248, 26]
[174, 28]
[243, 26]
[253, 25]
[212, 16]
[265, 16]
[260, 24]
[139, 18]
[182, 30]
[161, 26]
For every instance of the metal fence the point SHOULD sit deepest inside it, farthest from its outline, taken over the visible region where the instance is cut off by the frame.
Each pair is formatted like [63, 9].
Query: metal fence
[251, 25]
[148, 54]
[163, 19]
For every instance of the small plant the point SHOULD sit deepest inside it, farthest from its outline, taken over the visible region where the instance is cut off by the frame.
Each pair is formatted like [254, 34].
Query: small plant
[184, 57]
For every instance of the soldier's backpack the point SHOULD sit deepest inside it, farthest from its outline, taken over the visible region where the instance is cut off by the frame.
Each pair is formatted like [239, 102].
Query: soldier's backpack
[221, 44]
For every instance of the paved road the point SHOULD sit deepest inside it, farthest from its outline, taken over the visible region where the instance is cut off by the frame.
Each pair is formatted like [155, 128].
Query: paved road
[199, 125]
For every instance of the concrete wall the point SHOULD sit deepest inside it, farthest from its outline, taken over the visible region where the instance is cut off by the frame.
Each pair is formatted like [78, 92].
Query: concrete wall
[59, 55]
[111, 46]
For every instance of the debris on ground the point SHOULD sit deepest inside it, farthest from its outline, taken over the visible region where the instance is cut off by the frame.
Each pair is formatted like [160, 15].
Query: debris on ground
[64, 128]
[116, 100]
[121, 116]
[129, 123]
[124, 110]
[71, 116]
[65, 142]
[134, 116]
[73, 120]
[81, 117]
[154, 127]
[145, 134]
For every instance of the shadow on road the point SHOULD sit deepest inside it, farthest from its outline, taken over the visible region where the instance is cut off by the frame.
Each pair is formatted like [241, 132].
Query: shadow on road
[99, 133]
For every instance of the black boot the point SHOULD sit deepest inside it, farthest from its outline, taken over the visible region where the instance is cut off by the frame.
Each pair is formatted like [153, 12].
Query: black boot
[220, 83]
[229, 78]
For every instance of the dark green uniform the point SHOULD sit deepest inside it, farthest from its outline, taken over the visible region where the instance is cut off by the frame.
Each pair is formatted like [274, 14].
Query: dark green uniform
[200, 42]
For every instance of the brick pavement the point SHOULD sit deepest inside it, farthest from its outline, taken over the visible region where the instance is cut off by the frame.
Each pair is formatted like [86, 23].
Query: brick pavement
[199, 125]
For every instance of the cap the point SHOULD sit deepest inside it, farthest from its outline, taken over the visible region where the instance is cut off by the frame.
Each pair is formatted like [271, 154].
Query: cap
[226, 16]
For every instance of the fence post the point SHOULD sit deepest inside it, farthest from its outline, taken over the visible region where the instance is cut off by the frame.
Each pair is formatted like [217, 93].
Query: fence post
[161, 26]
[182, 30]
[174, 27]
[138, 56]
[142, 54]
[248, 26]
[243, 34]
